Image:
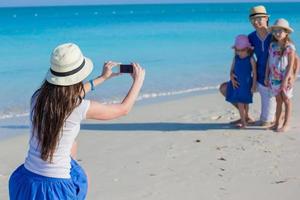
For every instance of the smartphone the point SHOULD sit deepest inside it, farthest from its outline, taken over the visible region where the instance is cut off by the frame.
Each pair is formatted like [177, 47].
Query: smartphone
[126, 68]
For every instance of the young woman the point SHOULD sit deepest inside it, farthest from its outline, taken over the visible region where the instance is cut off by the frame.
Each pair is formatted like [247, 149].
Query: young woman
[57, 109]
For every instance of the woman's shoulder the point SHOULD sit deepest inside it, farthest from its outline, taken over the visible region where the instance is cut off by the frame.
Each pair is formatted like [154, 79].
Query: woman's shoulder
[252, 37]
[252, 34]
[85, 103]
[81, 110]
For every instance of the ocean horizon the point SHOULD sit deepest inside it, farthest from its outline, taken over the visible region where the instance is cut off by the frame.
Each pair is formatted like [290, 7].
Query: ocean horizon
[185, 48]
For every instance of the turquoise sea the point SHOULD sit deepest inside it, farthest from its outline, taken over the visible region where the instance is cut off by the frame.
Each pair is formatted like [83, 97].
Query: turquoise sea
[185, 48]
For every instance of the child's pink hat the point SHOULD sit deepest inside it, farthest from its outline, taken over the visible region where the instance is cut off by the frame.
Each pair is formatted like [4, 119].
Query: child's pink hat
[242, 42]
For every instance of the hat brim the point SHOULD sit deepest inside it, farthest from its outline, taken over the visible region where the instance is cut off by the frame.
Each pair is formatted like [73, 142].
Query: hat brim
[290, 30]
[259, 15]
[250, 47]
[72, 79]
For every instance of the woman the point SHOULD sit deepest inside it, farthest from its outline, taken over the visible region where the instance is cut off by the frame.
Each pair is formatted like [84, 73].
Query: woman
[57, 108]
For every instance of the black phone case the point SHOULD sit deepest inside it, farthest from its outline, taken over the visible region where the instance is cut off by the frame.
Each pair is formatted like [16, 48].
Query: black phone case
[126, 69]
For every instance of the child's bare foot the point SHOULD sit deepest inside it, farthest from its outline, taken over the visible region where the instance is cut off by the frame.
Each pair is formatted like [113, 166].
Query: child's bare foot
[273, 127]
[249, 121]
[240, 125]
[283, 129]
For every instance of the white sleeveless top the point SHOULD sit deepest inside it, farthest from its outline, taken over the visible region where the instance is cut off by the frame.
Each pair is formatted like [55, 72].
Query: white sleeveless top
[61, 163]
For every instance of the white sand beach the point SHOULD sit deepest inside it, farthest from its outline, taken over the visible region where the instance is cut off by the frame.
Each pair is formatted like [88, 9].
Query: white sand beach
[181, 149]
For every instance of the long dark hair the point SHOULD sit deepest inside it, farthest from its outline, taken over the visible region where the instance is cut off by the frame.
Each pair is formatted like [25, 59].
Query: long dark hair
[52, 106]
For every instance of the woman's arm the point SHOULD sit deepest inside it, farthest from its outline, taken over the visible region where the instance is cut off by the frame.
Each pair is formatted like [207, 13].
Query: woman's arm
[289, 70]
[233, 77]
[254, 75]
[267, 73]
[295, 69]
[297, 66]
[97, 81]
[106, 74]
[101, 111]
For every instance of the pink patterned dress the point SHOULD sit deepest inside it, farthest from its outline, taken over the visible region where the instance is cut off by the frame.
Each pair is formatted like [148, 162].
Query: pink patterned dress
[278, 67]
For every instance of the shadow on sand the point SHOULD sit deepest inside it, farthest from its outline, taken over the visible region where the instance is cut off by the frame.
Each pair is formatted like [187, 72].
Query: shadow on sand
[151, 126]
[156, 126]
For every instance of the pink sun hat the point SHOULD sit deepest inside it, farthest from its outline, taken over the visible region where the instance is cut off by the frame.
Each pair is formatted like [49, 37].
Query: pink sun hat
[242, 42]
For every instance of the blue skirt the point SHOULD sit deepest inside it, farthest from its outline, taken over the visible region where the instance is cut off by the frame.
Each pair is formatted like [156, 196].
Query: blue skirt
[24, 184]
[242, 94]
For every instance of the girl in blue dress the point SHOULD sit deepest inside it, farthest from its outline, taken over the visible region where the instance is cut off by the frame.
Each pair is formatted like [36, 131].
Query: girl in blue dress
[240, 90]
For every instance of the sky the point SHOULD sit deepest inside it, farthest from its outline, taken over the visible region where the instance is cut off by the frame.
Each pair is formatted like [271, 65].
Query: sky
[13, 3]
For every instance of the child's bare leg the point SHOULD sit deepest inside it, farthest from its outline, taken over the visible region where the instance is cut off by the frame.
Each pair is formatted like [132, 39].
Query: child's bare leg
[287, 115]
[249, 119]
[279, 102]
[242, 110]
[246, 111]
[223, 91]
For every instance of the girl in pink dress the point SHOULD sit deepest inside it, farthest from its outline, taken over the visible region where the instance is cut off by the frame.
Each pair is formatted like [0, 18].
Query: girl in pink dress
[280, 70]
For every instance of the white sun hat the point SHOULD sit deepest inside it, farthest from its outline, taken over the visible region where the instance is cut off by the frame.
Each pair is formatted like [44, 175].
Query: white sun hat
[68, 65]
[282, 23]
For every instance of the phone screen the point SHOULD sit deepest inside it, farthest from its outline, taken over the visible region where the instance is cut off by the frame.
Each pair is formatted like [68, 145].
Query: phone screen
[126, 68]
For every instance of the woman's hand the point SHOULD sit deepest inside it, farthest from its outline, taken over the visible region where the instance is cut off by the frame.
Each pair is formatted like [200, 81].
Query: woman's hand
[266, 81]
[234, 82]
[253, 88]
[101, 111]
[107, 70]
[106, 74]
[291, 82]
[284, 84]
[138, 74]
[287, 83]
